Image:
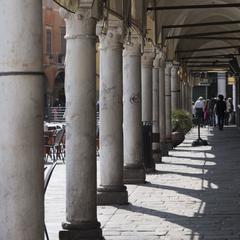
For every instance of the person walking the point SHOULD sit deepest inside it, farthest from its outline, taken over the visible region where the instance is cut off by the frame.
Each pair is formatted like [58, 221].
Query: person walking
[220, 111]
[212, 119]
[199, 108]
[206, 112]
[229, 110]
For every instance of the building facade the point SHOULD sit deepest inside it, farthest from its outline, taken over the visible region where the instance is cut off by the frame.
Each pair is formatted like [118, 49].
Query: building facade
[54, 49]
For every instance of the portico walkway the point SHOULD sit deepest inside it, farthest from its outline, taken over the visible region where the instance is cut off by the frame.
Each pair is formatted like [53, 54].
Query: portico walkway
[195, 194]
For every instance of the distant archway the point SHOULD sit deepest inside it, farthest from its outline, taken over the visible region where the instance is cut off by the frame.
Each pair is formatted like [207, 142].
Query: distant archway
[59, 91]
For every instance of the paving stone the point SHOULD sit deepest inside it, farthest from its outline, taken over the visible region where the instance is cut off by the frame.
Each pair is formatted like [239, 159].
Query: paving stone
[194, 195]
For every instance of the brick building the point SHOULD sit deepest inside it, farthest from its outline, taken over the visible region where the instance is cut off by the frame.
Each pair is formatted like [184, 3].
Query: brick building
[54, 48]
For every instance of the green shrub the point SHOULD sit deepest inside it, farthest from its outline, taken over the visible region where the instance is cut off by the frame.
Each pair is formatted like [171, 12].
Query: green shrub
[181, 121]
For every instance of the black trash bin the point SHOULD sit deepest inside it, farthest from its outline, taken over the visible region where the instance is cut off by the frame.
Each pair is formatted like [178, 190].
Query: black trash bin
[149, 163]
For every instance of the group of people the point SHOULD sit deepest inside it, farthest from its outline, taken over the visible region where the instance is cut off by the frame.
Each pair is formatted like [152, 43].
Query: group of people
[215, 111]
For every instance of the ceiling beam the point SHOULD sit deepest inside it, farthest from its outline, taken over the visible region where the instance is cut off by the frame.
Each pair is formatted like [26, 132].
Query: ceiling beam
[220, 56]
[200, 24]
[210, 69]
[215, 38]
[198, 6]
[206, 49]
[207, 61]
[202, 34]
[206, 65]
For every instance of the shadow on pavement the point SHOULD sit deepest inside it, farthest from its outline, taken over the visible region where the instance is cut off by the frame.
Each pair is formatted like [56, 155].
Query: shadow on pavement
[218, 216]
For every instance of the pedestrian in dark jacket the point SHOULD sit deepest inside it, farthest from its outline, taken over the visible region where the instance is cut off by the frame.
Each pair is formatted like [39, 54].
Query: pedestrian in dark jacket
[220, 111]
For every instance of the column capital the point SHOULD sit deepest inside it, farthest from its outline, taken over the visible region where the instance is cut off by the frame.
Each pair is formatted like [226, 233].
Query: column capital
[174, 68]
[162, 60]
[79, 25]
[169, 65]
[133, 48]
[148, 56]
[156, 61]
[175, 65]
[111, 35]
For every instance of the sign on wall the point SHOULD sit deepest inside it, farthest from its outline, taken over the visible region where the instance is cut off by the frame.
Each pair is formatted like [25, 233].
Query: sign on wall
[231, 80]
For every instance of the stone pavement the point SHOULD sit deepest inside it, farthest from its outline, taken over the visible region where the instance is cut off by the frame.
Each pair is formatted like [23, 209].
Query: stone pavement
[194, 194]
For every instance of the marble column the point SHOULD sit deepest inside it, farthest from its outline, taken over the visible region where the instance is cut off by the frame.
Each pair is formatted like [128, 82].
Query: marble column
[21, 107]
[132, 123]
[147, 66]
[112, 189]
[190, 98]
[80, 89]
[168, 109]
[222, 83]
[234, 96]
[174, 88]
[162, 107]
[186, 96]
[183, 94]
[155, 112]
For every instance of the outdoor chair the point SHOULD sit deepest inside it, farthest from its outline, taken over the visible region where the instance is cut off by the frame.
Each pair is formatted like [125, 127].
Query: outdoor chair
[59, 145]
[49, 142]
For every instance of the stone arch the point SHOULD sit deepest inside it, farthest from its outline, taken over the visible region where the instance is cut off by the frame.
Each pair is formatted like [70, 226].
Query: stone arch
[59, 90]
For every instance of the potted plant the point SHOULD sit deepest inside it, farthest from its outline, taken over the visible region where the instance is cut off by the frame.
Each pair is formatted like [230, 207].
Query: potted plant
[181, 125]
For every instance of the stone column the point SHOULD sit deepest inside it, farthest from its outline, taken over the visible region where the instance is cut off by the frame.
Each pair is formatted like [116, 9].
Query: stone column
[168, 109]
[80, 88]
[147, 66]
[155, 113]
[132, 123]
[234, 96]
[112, 189]
[21, 107]
[162, 107]
[222, 84]
[187, 96]
[183, 94]
[174, 88]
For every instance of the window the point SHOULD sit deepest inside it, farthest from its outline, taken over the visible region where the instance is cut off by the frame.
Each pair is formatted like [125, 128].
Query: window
[48, 41]
[63, 40]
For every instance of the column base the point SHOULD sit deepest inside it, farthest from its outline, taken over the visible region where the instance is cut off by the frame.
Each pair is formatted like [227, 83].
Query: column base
[157, 156]
[164, 149]
[134, 174]
[111, 195]
[83, 231]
